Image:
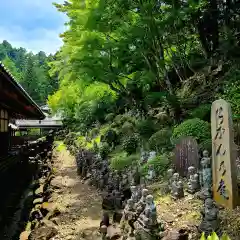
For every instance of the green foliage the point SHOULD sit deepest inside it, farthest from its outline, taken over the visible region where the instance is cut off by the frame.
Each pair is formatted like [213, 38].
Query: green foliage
[160, 165]
[93, 133]
[34, 132]
[70, 138]
[121, 119]
[104, 150]
[109, 117]
[160, 140]
[121, 160]
[110, 137]
[127, 128]
[202, 112]
[131, 143]
[214, 236]
[30, 70]
[206, 145]
[232, 89]
[195, 127]
[145, 128]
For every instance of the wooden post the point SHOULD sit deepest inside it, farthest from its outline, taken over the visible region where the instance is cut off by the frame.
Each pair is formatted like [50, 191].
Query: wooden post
[225, 190]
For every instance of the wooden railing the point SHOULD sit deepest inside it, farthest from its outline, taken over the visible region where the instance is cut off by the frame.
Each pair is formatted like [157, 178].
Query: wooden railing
[20, 140]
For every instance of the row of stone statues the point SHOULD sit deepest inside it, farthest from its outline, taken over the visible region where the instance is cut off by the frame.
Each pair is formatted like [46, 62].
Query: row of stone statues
[125, 192]
[200, 180]
[139, 217]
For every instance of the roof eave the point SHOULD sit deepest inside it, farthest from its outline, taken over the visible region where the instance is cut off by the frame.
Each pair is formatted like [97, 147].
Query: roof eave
[21, 90]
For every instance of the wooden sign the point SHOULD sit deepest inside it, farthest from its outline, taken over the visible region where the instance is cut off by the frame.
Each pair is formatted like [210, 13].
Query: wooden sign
[186, 155]
[225, 190]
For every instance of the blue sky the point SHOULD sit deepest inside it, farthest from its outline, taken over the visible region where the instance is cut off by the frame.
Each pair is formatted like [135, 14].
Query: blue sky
[32, 24]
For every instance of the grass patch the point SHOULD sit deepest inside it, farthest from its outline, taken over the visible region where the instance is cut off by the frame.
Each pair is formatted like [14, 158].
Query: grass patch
[60, 146]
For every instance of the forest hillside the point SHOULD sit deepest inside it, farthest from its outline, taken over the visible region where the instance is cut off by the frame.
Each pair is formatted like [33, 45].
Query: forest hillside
[146, 71]
[30, 70]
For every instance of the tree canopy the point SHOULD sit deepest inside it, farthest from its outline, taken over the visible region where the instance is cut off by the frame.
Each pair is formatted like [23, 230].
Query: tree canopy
[30, 70]
[148, 54]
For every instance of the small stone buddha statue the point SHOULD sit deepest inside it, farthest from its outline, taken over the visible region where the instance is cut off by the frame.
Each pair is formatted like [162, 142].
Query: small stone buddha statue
[210, 220]
[193, 180]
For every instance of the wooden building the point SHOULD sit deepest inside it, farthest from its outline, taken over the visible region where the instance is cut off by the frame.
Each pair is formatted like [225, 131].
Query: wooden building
[15, 103]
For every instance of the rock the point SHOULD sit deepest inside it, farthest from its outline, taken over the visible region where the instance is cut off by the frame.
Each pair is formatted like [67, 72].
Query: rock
[176, 235]
[51, 209]
[57, 182]
[43, 233]
[38, 206]
[39, 191]
[113, 232]
[24, 235]
[168, 218]
[38, 201]
[47, 223]
[56, 220]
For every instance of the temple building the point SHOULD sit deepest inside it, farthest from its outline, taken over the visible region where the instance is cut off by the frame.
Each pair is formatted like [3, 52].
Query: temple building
[15, 103]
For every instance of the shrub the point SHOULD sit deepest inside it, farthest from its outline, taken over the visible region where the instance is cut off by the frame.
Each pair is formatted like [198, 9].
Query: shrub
[95, 147]
[70, 138]
[145, 128]
[121, 160]
[104, 150]
[206, 145]
[232, 89]
[93, 133]
[160, 164]
[110, 137]
[127, 128]
[161, 140]
[131, 143]
[109, 117]
[81, 142]
[195, 127]
[121, 119]
[118, 119]
[203, 112]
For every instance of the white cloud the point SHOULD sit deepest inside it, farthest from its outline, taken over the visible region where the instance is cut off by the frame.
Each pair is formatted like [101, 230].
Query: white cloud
[34, 25]
[44, 40]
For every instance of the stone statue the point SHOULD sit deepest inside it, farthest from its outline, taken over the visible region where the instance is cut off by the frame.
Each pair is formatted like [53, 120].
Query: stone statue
[170, 178]
[193, 182]
[151, 173]
[134, 194]
[177, 187]
[152, 155]
[175, 179]
[136, 176]
[206, 170]
[101, 182]
[117, 200]
[147, 221]
[144, 156]
[180, 191]
[140, 205]
[206, 176]
[116, 180]
[128, 217]
[210, 221]
[124, 183]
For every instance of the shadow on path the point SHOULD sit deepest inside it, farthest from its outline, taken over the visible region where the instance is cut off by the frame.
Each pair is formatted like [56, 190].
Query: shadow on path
[80, 204]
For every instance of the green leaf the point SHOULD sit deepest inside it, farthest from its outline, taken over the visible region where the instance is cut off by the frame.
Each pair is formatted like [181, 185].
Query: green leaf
[203, 237]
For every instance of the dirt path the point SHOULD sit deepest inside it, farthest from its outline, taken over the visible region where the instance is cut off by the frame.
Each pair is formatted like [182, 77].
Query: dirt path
[80, 204]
